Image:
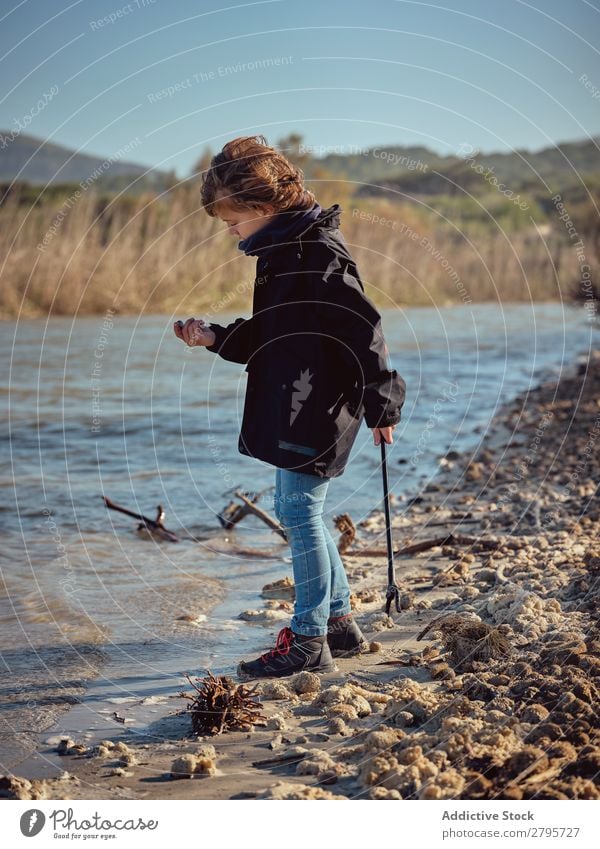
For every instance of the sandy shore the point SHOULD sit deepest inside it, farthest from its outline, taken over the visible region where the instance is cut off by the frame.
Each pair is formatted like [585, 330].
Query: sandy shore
[498, 699]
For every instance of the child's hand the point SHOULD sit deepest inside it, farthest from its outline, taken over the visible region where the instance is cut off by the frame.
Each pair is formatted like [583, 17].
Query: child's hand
[194, 332]
[386, 432]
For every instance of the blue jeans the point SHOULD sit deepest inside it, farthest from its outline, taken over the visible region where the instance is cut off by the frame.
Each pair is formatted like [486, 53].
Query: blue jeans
[321, 583]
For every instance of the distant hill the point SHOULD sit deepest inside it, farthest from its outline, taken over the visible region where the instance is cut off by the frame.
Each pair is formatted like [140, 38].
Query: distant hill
[54, 163]
[387, 164]
[376, 163]
[416, 170]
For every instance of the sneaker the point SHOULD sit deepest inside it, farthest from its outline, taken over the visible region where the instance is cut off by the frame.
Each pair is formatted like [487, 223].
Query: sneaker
[292, 653]
[345, 637]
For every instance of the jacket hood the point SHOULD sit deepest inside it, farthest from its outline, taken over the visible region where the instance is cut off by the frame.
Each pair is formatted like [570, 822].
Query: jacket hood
[290, 224]
[329, 217]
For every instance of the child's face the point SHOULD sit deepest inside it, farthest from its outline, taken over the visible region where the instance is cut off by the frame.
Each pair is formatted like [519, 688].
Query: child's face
[245, 222]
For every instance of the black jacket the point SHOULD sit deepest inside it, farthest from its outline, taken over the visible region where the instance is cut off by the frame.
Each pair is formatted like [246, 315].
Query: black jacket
[315, 353]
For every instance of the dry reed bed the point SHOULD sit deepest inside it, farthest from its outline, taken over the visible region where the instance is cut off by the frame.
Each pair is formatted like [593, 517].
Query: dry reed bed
[164, 254]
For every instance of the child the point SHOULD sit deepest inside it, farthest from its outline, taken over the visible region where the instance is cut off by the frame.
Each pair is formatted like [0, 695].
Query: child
[317, 364]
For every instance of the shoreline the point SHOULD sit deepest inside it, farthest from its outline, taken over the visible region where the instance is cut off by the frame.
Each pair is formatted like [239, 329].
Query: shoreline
[236, 306]
[496, 701]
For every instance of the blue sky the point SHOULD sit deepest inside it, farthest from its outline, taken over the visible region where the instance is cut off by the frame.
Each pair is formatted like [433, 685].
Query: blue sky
[359, 73]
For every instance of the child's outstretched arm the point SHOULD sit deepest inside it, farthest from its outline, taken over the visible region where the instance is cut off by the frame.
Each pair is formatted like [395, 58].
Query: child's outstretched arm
[233, 342]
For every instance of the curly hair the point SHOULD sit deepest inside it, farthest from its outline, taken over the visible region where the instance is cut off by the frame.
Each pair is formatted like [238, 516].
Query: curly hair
[248, 174]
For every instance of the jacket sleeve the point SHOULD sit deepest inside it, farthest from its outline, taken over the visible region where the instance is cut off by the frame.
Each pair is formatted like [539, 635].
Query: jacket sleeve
[233, 342]
[346, 314]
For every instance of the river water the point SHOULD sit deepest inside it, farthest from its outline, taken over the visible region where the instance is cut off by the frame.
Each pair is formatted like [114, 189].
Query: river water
[90, 612]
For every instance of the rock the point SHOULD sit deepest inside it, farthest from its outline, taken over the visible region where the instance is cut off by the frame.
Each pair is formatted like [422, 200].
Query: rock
[184, 766]
[320, 763]
[285, 790]
[276, 723]
[205, 766]
[70, 747]
[383, 738]
[534, 713]
[474, 471]
[263, 616]
[369, 596]
[200, 764]
[15, 787]
[278, 604]
[407, 600]
[102, 752]
[275, 690]
[343, 695]
[336, 725]
[383, 793]
[305, 682]
[446, 785]
[341, 711]
[376, 622]
[206, 751]
[283, 588]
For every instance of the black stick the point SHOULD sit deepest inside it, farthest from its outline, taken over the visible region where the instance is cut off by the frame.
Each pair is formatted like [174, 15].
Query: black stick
[392, 592]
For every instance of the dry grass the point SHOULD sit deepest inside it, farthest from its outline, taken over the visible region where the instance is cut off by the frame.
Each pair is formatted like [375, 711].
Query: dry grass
[165, 255]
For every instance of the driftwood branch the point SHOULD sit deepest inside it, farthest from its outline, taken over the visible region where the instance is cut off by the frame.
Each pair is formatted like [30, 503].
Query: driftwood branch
[282, 758]
[454, 522]
[416, 548]
[154, 527]
[234, 513]
[251, 507]
[241, 551]
[348, 535]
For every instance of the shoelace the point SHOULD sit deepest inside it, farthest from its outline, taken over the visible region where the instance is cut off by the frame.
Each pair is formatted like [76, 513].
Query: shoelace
[285, 638]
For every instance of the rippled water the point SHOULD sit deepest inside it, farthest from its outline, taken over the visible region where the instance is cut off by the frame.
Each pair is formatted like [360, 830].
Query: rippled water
[120, 407]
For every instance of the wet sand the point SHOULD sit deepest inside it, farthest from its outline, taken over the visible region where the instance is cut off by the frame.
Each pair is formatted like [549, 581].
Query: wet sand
[498, 699]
